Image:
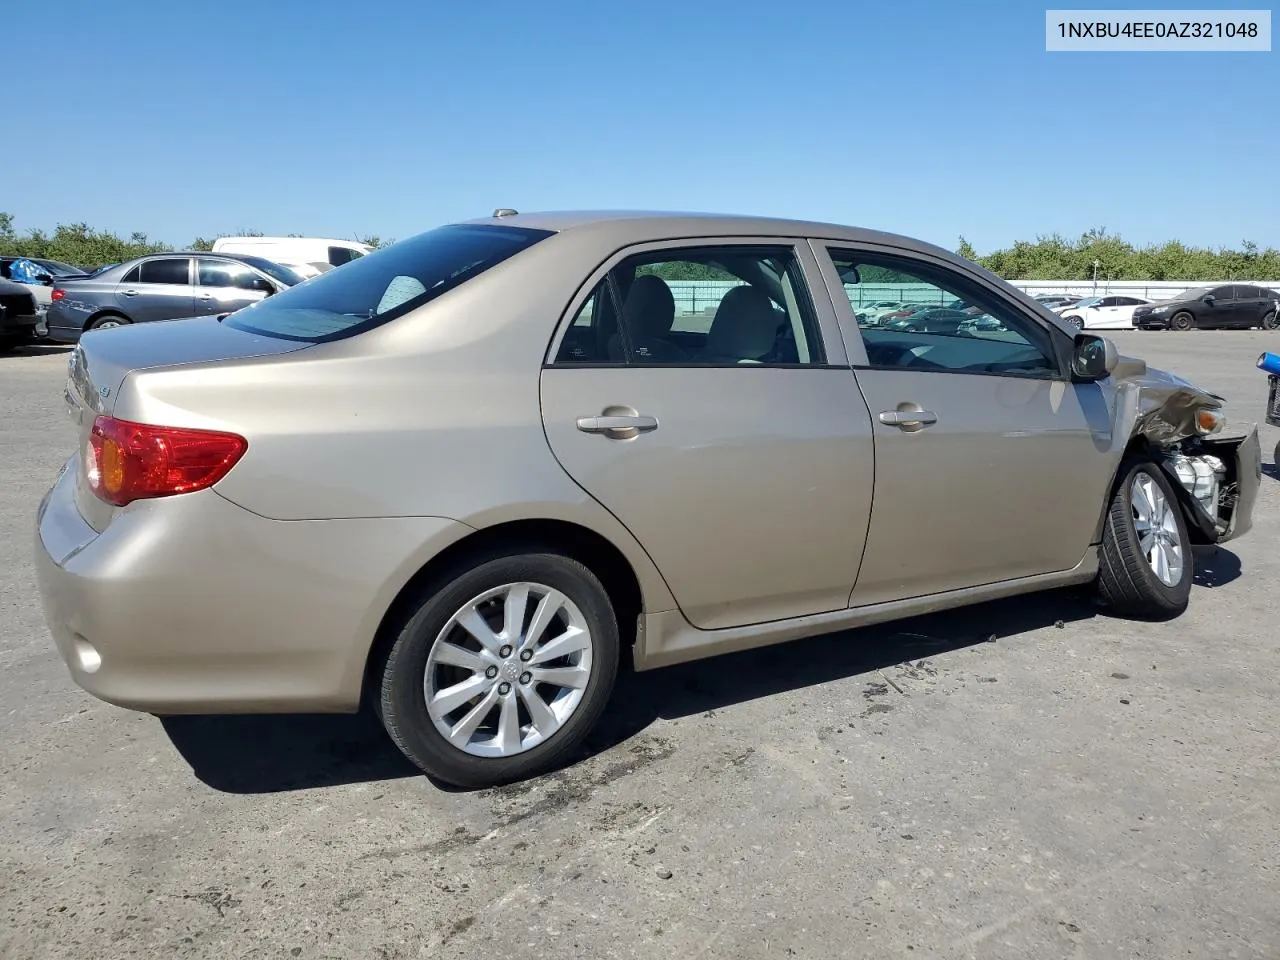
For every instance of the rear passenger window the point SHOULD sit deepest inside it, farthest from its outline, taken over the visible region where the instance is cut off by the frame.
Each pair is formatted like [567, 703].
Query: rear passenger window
[165, 271]
[590, 335]
[698, 306]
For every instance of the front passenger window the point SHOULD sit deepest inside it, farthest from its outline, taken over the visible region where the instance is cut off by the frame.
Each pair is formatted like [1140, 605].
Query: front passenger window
[947, 322]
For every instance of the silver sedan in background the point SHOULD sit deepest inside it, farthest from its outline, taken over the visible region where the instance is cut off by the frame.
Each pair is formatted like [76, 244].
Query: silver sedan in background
[164, 286]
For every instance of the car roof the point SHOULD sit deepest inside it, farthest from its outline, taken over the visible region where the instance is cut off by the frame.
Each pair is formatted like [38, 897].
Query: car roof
[218, 254]
[636, 226]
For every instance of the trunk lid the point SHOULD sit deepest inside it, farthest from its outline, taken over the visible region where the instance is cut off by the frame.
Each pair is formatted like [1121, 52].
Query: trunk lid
[102, 359]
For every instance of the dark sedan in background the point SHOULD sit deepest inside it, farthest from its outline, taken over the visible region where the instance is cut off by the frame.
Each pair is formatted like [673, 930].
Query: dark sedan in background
[18, 314]
[1236, 306]
[163, 286]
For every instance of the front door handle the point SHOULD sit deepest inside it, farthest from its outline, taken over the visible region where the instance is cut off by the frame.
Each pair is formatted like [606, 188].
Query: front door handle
[908, 419]
[619, 427]
[206, 296]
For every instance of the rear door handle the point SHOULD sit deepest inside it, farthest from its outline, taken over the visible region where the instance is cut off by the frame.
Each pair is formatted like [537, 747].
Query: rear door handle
[206, 296]
[131, 293]
[618, 426]
[908, 419]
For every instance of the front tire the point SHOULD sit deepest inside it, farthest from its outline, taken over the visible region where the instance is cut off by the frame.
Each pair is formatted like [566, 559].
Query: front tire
[1182, 321]
[1145, 564]
[1077, 322]
[1269, 321]
[502, 670]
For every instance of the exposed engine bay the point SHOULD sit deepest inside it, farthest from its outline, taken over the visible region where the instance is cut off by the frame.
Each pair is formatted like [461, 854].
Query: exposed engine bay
[1182, 425]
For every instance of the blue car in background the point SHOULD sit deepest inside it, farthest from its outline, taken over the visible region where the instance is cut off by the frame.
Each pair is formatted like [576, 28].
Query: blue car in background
[1269, 363]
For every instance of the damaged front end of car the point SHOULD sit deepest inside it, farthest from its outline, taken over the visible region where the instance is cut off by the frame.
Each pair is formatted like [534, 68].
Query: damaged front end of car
[1184, 431]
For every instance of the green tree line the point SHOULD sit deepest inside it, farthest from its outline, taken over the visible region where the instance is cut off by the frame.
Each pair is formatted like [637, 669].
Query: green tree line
[1054, 257]
[82, 246]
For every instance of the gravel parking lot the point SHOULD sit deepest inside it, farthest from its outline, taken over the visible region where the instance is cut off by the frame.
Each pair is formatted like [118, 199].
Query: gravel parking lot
[1080, 787]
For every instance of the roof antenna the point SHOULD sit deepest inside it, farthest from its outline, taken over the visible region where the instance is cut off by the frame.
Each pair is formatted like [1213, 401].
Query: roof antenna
[505, 212]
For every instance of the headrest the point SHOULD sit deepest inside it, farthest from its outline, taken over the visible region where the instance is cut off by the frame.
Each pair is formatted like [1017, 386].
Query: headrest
[650, 309]
[745, 325]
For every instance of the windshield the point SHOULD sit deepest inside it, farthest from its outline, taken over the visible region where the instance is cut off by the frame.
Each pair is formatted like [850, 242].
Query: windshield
[1195, 294]
[385, 284]
[272, 269]
[1087, 302]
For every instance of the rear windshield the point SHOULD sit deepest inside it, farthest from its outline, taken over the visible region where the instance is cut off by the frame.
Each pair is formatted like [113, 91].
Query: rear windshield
[385, 284]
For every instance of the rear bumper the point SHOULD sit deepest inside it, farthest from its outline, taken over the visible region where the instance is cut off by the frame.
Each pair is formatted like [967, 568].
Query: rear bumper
[64, 324]
[17, 323]
[192, 604]
[63, 335]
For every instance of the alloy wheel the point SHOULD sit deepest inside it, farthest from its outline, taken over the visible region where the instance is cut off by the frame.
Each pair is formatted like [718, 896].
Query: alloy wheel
[508, 670]
[1159, 541]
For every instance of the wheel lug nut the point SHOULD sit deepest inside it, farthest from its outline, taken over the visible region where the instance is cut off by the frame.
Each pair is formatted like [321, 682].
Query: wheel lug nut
[505, 651]
[526, 655]
[504, 688]
[491, 672]
[526, 677]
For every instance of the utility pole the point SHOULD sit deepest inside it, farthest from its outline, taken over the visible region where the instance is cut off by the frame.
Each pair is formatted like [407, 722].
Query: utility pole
[1095, 275]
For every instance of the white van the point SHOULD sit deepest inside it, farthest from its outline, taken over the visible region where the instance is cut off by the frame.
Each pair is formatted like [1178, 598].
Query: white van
[308, 256]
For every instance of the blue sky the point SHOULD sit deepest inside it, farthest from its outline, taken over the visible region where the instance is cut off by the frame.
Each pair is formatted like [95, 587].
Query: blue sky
[337, 118]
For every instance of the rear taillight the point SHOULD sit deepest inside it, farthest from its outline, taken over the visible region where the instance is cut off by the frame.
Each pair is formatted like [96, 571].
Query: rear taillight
[127, 461]
[57, 294]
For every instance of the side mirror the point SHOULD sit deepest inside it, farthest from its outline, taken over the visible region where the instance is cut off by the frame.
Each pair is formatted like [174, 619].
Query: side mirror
[1093, 357]
[1207, 298]
[850, 275]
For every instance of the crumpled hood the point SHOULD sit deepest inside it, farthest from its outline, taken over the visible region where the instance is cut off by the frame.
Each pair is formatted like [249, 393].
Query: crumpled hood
[1165, 403]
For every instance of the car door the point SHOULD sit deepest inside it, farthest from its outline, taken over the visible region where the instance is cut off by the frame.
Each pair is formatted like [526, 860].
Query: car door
[1221, 312]
[1124, 316]
[157, 289]
[1253, 305]
[731, 441]
[1106, 314]
[991, 465]
[224, 286]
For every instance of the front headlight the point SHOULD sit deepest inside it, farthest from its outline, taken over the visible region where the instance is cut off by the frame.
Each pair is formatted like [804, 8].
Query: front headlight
[1162, 309]
[1209, 422]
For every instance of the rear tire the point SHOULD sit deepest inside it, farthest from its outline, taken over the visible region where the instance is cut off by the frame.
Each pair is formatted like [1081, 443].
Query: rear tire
[107, 321]
[1132, 547]
[431, 646]
[1182, 321]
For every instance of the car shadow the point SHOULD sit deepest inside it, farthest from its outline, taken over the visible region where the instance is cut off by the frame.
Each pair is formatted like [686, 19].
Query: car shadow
[273, 754]
[1272, 470]
[1215, 567]
[270, 754]
[39, 349]
[694, 688]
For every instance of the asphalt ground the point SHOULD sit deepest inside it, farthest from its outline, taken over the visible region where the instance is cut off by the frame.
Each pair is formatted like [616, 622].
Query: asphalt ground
[1080, 786]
